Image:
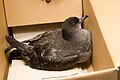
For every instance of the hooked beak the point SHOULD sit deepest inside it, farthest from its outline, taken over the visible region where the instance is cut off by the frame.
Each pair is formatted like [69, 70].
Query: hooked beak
[83, 18]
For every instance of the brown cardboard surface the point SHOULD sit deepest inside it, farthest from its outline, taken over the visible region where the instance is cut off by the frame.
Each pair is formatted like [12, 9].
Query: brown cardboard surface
[100, 58]
[108, 17]
[27, 12]
[3, 32]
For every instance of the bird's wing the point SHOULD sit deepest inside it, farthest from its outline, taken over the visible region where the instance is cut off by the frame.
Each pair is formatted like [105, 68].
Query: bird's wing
[32, 39]
[39, 36]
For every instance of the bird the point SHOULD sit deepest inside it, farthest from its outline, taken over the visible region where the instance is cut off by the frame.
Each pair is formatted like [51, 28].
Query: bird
[56, 50]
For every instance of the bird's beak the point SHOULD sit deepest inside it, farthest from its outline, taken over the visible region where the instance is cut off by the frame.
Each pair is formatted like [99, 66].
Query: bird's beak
[83, 18]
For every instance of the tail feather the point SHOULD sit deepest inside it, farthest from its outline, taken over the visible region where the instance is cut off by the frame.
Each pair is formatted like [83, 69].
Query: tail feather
[14, 43]
[24, 49]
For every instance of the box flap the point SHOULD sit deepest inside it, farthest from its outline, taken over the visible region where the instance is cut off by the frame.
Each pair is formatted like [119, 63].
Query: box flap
[29, 12]
[108, 17]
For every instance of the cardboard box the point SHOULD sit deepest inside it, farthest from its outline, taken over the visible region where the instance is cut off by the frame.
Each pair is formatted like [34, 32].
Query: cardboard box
[103, 21]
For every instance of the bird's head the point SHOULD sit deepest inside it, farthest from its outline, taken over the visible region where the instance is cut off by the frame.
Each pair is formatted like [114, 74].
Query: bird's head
[70, 26]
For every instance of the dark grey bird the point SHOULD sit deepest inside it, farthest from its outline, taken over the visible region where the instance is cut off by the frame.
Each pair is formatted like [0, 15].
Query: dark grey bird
[56, 49]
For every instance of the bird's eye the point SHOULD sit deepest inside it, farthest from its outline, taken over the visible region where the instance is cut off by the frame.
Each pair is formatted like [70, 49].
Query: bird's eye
[73, 23]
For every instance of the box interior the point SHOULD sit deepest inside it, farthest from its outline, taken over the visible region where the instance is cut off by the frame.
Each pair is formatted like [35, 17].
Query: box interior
[95, 64]
[26, 32]
[101, 63]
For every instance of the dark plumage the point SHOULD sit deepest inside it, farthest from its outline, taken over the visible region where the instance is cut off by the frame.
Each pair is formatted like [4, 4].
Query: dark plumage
[56, 49]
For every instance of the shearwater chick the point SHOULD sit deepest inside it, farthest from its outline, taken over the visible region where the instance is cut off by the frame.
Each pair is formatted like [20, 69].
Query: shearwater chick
[56, 49]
